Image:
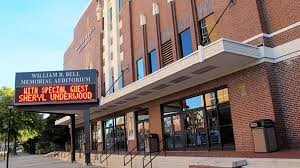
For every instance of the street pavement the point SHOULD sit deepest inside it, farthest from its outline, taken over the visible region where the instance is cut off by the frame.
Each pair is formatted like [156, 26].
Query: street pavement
[37, 161]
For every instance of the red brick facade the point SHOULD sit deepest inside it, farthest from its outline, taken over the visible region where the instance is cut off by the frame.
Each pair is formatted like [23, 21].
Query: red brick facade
[288, 83]
[271, 90]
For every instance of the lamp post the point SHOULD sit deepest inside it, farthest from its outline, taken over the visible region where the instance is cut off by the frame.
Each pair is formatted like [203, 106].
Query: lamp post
[10, 107]
[5, 126]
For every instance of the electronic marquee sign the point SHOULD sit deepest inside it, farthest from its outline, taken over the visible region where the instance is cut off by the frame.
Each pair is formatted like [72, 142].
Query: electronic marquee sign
[56, 87]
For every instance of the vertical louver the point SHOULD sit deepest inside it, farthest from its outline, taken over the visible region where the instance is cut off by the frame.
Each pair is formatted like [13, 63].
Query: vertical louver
[167, 53]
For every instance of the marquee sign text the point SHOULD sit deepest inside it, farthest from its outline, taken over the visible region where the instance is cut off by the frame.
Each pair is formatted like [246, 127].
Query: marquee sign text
[57, 87]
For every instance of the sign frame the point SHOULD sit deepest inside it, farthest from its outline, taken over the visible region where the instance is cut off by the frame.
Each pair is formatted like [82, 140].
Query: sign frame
[91, 73]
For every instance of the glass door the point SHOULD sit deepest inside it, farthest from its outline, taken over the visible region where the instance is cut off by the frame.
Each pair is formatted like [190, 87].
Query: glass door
[143, 132]
[142, 128]
[120, 133]
[201, 122]
[201, 129]
[115, 134]
[173, 132]
[213, 121]
[109, 134]
[195, 129]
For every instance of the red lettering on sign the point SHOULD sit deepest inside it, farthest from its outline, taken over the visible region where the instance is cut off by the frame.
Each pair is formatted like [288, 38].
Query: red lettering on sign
[59, 93]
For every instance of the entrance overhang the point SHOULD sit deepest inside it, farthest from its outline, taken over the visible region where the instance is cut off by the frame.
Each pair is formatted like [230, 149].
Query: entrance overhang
[207, 63]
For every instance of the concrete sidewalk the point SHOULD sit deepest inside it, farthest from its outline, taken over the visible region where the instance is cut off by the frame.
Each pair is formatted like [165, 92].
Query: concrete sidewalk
[37, 161]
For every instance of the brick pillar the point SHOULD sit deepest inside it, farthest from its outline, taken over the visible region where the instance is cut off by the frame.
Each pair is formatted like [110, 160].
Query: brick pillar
[155, 118]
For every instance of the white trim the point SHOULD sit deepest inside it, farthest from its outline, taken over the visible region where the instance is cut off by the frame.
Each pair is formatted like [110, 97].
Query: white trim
[274, 33]
[155, 9]
[254, 37]
[63, 121]
[287, 50]
[142, 20]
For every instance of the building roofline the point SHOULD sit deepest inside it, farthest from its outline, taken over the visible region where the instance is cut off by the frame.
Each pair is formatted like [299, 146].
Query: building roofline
[75, 24]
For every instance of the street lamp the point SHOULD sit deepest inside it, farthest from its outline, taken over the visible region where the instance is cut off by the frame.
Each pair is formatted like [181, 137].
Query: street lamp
[5, 126]
[10, 107]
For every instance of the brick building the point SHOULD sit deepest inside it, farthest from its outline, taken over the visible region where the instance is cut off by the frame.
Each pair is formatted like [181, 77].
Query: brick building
[195, 72]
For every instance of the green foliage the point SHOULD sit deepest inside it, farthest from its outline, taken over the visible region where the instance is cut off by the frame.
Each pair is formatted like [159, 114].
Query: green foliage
[52, 138]
[23, 125]
[46, 147]
[38, 135]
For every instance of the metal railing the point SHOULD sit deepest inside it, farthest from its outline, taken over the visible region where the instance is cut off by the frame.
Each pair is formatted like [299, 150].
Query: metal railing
[63, 154]
[162, 146]
[67, 155]
[108, 152]
[133, 155]
[96, 152]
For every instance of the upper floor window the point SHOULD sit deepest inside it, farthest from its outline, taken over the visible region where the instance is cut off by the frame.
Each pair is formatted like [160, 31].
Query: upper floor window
[110, 14]
[152, 61]
[102, 24]
[185, 42]
[110, 18]
[140, 68]
[112, 85]
[206, 24]
[121, 3]
[192, 103]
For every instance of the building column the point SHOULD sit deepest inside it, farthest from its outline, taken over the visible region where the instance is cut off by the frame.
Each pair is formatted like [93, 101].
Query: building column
[131, 131]
[99, 136]
[155, 119]
[86, 116]
[72, 131]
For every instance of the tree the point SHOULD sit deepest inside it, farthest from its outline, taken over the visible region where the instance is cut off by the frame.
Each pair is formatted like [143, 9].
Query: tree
[24, 125]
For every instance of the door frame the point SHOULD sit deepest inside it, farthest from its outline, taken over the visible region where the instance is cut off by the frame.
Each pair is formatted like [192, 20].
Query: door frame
[136, 114]
[209, 147]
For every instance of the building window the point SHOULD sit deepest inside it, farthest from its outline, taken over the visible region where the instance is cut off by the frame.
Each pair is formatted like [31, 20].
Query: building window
[110, 18]
[110, 14]
[202, 121]
[115, 134]
[94, 137]
[206, 24]
[204, 32]
[102, 23]
[185, 42]
[112, 81]
[142, 120]
[103, 85]
[140, 68]
[121, 3]
[79, 142]
[152, 61]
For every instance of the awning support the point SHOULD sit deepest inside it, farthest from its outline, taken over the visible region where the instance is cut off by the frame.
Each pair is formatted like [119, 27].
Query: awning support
[72, 131]
[86, 116]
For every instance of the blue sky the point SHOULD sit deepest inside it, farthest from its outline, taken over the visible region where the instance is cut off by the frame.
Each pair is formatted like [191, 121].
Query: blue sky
[34, 35]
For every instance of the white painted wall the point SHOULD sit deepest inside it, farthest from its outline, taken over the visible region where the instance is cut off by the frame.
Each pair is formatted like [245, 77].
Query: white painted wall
[112, 47]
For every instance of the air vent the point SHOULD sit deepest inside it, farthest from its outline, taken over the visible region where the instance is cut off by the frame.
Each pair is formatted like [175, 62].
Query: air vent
[160, 87]
[145, 93]
[131, 98]
[121, 102]
[180, 79]
[204, 70]
[110, 106]
[167, 53]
